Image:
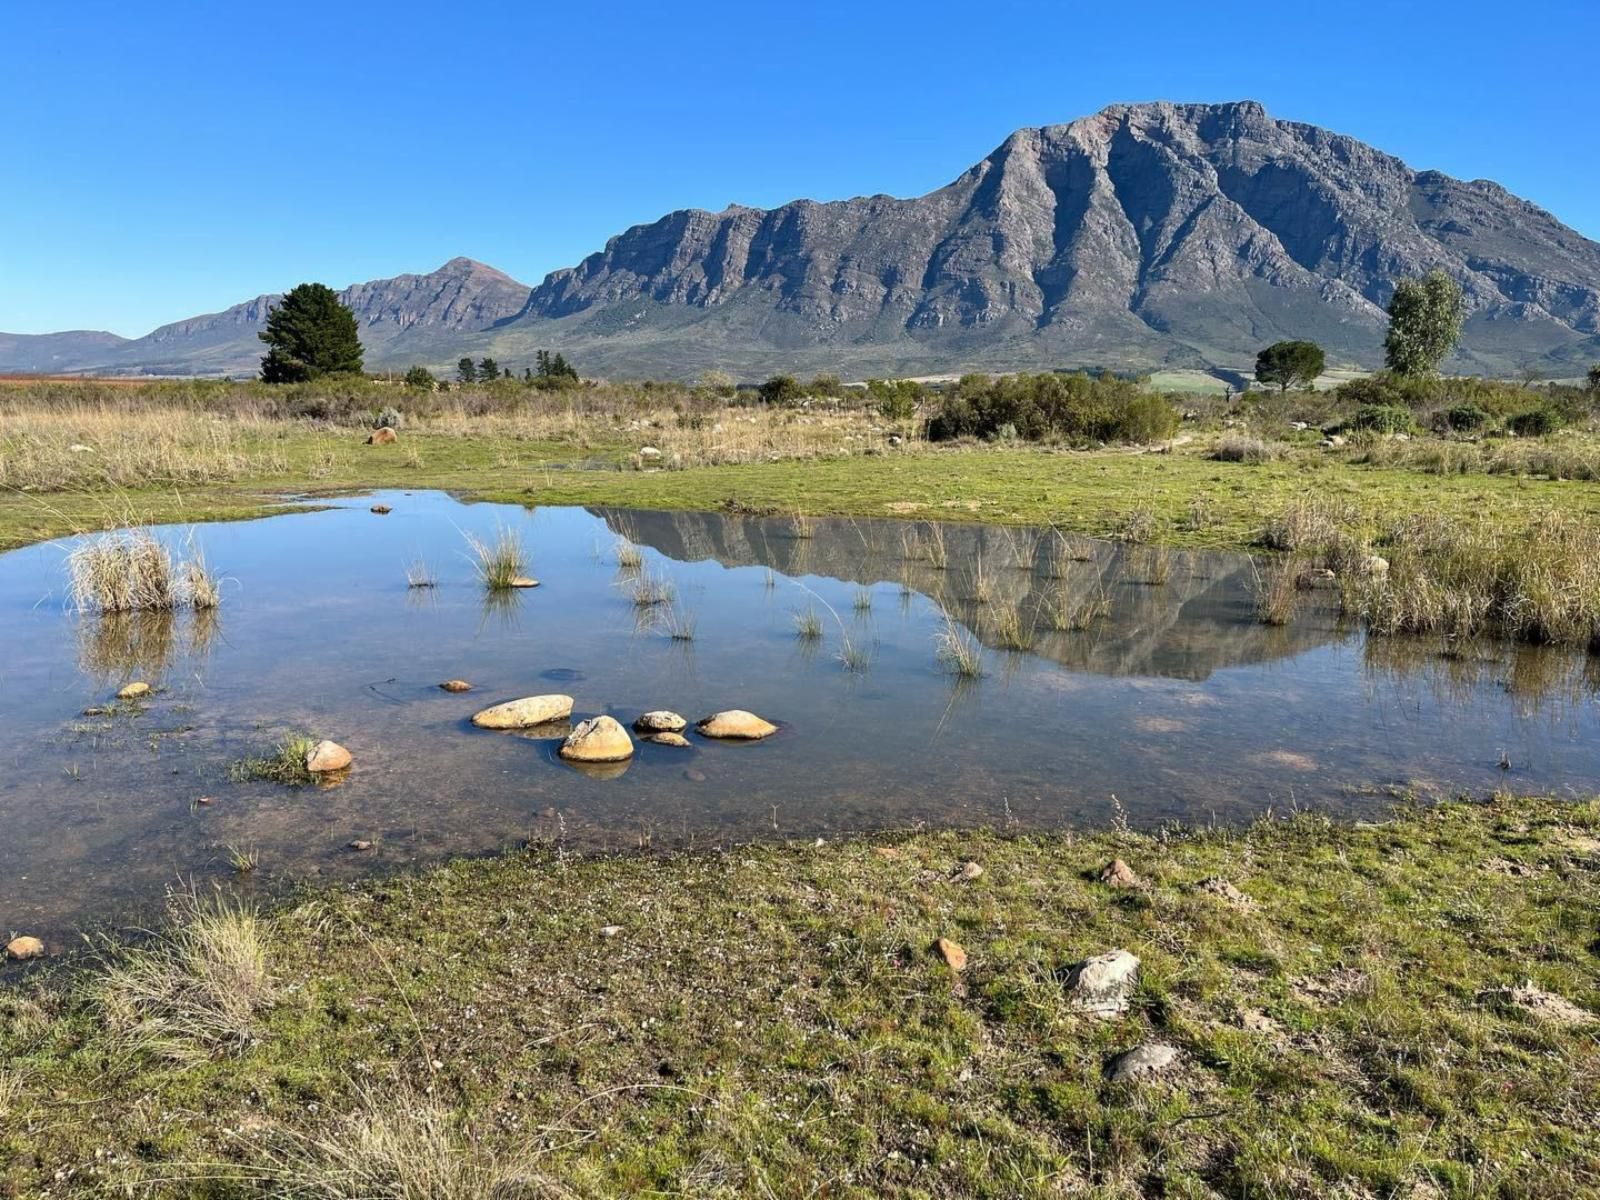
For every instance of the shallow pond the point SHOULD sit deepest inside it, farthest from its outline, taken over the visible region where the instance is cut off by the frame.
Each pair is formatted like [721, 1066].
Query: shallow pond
[1173, 703]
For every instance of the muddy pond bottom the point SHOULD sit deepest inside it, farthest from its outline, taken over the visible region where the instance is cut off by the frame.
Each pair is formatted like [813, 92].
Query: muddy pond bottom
[1113, 680]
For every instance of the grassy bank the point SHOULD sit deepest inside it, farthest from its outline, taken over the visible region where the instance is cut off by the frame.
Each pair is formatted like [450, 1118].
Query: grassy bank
[774, 1021]
[1191, 499]
[90, 456]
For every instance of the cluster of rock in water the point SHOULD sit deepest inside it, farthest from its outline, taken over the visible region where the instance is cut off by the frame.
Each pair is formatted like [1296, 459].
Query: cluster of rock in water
[602, 739]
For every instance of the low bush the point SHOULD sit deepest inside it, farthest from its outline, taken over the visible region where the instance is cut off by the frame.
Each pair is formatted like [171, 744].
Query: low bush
[1073, 408]
[1536, 422]
[1383, 418]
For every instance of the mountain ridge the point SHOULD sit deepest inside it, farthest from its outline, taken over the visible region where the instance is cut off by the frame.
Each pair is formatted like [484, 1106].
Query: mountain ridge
[1140, 237]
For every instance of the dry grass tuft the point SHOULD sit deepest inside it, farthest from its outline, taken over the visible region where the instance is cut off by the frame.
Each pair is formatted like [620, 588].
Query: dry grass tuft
[197, 989]
[957, 651]
[405, 1147]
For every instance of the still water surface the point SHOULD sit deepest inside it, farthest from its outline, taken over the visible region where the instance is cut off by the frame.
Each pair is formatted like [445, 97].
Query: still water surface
[1177, 704]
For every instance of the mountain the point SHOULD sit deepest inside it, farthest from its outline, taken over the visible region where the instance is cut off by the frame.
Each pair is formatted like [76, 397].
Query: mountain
[1146, 236]
[402, 320]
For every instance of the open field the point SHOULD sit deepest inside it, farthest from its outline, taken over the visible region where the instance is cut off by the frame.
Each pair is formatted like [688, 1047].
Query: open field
[74, 459]
[775, 1020]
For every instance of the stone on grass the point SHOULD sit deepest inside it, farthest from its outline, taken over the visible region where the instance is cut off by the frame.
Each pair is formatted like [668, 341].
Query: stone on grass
[1119, 874]
[660, 720]
[361, 844]
[954, 956]
[382, 437]
[456, 685]
[1223, 890]
[1375, 564]
[1102, 986]
[524, 713]
[1142, 1062]
[736, 724]
[24, 947]
[969, 871]
[610, 931]
[133, 691]
[598, 740]
[649, 453]
[327, 756]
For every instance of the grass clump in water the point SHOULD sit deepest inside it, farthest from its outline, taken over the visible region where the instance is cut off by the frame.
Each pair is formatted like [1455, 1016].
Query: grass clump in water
[130, 570]
[957, 651]
[808, 624]
[285, 765]
[499, 562]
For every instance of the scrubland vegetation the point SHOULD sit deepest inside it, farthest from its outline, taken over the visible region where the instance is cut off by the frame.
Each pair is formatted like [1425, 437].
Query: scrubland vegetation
[1402, 1008]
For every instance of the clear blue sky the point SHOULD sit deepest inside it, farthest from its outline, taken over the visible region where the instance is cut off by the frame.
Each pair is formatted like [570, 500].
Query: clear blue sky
[166, 159]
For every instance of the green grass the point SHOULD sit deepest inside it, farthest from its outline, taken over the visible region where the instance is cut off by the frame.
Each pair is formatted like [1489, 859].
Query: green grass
[286, 764]
[769, 1020]
[1082, 492]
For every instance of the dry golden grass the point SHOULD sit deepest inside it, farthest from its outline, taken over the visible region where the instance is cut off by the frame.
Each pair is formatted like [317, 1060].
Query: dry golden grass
[197, 988]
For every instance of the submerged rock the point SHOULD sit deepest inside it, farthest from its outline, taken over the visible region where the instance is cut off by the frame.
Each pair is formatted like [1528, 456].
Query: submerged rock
[660, 720]
[133, 691]
[668, 738]
[327, 756]
[381, 509]
[1142, 1062]
[456, 685]
[524, 713]
[736, 724]
[598, 740]
[24, 947]
[1102, 986]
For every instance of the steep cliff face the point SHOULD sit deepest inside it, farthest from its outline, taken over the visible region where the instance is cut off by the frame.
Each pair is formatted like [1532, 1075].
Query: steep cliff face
[1147, 235]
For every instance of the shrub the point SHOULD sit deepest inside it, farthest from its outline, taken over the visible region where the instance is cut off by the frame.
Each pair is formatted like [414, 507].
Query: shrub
[1383, 418]
[781, 389]
[1536, 422]
[387, 417]
[1076, 408]
[1466, 418]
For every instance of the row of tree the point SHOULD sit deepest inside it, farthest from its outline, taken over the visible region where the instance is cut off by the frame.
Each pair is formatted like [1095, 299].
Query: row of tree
[311, 333]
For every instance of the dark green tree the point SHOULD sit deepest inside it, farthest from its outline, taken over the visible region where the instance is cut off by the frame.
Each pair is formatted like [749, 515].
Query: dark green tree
[310, 334]
[1594, 378]
[466, 372]
[781, 389]
[488, 370]
[1424, 323]
[420, 378]
[1289, 364]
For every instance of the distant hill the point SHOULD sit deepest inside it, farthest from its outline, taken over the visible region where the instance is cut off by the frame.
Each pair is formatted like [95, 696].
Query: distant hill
[1147, 236]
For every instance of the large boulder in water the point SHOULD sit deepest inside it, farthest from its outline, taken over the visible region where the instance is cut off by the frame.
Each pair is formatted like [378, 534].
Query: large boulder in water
[737, 725]
[524, 713]
[327, 756]
[598, 740]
